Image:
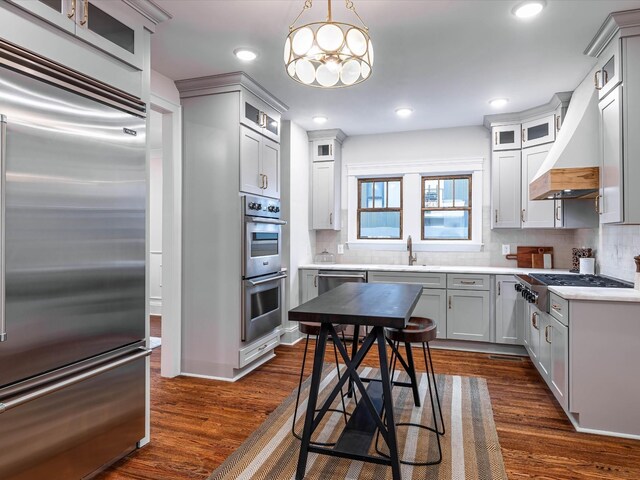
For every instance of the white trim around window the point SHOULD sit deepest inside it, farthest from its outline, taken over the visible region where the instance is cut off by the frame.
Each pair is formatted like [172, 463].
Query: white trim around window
[411, 173]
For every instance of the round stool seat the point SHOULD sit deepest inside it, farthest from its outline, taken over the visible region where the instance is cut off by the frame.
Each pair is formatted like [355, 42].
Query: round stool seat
[418, 330]
[313, 328]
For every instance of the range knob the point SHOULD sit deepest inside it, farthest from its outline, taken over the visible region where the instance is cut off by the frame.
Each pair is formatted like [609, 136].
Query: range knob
[258, 206]
[252, 206]
[277, 209]
[518, 287]
[271, 208]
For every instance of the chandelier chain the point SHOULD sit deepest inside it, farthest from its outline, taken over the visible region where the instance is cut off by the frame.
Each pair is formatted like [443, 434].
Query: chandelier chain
[350, 6]
[307, 5]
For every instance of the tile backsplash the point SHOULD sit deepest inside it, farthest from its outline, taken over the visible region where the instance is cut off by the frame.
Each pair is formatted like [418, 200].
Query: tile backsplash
[617, 246]
[562, 242]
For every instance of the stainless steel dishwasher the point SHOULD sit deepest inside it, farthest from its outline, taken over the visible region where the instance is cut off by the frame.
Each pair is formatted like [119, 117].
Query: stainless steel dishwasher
[330, 279]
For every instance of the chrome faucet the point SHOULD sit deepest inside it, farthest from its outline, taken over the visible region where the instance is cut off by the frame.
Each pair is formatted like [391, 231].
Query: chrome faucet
[412, 258]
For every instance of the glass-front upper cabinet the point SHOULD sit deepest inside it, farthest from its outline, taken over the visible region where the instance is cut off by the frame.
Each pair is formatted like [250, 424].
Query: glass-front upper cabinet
[506, 137]
[108, 26]
[324, 150]
[60, 13]
[609, 76]
[258, 116]
[539, 131]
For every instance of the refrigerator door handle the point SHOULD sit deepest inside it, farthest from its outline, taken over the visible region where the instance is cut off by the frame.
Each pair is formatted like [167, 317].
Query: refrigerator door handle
[3, 150]
[67, 382]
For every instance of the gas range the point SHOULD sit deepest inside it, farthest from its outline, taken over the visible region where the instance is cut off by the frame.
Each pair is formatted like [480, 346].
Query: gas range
[534, 287]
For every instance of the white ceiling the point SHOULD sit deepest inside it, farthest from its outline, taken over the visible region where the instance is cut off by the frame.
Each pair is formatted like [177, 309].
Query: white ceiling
[444, 58]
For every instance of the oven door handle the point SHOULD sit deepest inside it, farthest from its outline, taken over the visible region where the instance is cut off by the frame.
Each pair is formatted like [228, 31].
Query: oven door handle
[265, 220]
[272, 279]
[328, 275]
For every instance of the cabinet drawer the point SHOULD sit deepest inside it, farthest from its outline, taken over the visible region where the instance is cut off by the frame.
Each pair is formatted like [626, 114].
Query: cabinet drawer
[559, 308]
[468, 281]
[258, 349]
[427, 280]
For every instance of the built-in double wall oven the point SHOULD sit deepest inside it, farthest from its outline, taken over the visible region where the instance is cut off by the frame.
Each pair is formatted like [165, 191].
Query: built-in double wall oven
[262, 278]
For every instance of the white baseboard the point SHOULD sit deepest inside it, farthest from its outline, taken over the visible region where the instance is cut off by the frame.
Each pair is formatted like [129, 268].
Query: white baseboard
[237, 377]
[290, 336]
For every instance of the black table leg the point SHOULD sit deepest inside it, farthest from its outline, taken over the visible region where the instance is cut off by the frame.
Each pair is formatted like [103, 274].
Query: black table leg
[316, 376]
[354, 350]
[391, 439]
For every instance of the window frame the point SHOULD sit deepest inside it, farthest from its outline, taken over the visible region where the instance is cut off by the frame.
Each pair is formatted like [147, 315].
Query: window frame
[468, 208]
[399, 209]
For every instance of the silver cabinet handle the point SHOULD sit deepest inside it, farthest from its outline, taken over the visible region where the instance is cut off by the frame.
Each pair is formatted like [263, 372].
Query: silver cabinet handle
[558, 123]
[272, 279]
[266, 182]
[330, 149]
[3, 174]
[67, 382]
[315, 281]
[72, 13]
[85, 14]
[467, 282]
[450, 302]
[524, 135]
[546, 334]
[556, 307]
[522, 215]
[596, 80]
[558, 212]
[496, 215]
[499, 288]
[598, 197]
[496, 138]
[534, 320]
[331, 218]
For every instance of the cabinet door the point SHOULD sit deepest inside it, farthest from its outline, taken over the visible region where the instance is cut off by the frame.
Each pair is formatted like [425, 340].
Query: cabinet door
[609, 76]
[509, 311]
[525, 325]
[534, 334]
[544, 351]
[558, 340]
[256, 114]
[539, 131]
[323, 150]
[505, 137]
[251, 179]
[308, 285]
[322, 196]
[505, 189]
[468, 315]
[56, 12]
[433, 305]
[535, 213]
[110, 27]
[611, 158]
[270, 168]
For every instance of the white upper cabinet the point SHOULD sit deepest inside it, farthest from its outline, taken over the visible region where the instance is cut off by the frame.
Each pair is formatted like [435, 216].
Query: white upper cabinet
[506, 137]
[259, 116]
[259, 164]
[535, 213]
[538, 132]
[108, 25]
[609, 74]
[324, 149]
[506, 188]
[610, 201]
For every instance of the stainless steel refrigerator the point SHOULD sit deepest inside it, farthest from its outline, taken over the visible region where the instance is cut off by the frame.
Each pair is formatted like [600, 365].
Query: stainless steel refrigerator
[72, 261]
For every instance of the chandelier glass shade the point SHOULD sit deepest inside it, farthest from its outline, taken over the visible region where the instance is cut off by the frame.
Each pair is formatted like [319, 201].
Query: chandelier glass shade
[328, 54]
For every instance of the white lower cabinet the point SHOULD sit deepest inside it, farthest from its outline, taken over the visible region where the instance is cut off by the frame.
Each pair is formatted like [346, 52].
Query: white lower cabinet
[509, 311]
[308, 285]
[433, 305]
[544, 355]
[533, 327]
[468, 315]
[558, 338]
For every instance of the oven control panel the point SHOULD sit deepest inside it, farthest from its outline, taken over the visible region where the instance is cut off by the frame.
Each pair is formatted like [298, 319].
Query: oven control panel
[255, 206]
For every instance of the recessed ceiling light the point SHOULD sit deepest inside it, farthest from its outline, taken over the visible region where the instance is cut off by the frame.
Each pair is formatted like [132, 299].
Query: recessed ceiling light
[529, 9]
[320, 119]
[498, 102]
[404, 111]
[245, 54]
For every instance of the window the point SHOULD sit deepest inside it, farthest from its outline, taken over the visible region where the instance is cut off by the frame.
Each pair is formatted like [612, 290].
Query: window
[446, 208]
[380, 208]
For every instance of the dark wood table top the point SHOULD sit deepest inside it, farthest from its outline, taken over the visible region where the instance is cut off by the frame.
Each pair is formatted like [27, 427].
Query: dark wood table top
[376, 304]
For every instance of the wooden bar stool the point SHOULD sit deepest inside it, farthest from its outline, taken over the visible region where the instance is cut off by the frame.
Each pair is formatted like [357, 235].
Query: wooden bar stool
[308, 329]
[418, 330]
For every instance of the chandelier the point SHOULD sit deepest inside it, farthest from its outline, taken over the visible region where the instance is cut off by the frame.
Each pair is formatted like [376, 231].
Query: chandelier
[328, 54]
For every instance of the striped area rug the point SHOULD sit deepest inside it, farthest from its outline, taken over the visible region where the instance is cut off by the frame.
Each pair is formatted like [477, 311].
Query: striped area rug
[470, 447]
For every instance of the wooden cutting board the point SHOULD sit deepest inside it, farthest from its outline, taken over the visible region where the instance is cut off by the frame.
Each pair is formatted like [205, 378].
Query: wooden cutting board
[532, 257]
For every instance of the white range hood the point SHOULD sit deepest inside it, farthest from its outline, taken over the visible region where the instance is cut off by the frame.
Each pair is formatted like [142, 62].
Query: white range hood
[571, 167]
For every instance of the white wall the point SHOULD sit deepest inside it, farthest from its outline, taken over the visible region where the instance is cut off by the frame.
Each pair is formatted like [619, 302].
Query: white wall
[440, 144]
[164, 88]
[299, 241]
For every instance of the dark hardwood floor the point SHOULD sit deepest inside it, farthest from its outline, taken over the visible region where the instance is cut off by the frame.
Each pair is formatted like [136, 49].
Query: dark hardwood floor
[196, 423]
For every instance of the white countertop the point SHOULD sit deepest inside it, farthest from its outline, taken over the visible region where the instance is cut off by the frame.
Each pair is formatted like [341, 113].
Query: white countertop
[598, 294]
[429, 268]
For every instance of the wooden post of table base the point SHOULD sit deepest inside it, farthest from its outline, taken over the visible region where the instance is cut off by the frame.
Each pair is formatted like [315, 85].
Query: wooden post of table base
[392, 442]
[316, 376]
